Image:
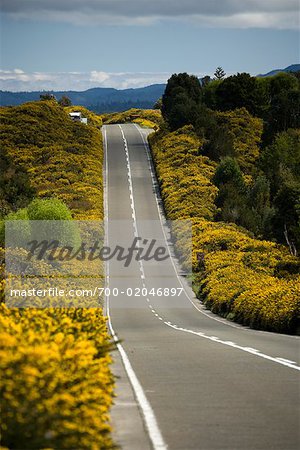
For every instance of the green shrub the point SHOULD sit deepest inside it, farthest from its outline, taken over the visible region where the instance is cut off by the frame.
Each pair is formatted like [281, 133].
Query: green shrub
[21, 230]
[48, 210]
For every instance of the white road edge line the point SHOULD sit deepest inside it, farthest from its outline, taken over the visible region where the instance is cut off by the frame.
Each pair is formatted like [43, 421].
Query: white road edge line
[253, 351]
[147, 411]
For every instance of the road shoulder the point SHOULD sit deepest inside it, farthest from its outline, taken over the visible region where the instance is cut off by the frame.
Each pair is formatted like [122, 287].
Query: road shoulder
[128, 430]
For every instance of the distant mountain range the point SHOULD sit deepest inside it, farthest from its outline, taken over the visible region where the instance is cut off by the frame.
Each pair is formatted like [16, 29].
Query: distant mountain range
[99, 99]
[103, 100]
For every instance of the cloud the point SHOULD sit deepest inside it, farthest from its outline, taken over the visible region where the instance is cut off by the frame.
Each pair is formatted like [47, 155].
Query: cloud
[224, 13]
[99, 77]
[18, 80]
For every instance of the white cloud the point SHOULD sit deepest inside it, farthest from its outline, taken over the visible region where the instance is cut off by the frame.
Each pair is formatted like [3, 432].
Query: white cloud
[18, 80]
[98, 77]
[225, 13]
[279, 20]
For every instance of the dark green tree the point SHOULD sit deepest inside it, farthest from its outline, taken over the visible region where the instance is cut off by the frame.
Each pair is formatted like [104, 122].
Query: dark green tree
[281, 160]
[260, 206]
[209, 97]
[183, 112]
[283, 110]
[181, 100]
[238, 91]
[283, 82]
[228, 171]
[219, 73]
[231, 198]
[263, 92]
[205, 80]
[296, 74]
[15, 189]
[47, 96]
[287, 217]
[237, 203]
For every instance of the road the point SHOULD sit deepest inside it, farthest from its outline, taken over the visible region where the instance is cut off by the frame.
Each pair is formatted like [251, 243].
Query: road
[200, 381]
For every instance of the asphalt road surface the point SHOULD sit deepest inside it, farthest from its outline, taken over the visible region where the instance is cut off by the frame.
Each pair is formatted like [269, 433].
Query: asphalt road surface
[200, 381]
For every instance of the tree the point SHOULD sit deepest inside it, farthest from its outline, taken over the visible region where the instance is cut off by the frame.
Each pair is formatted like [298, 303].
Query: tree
[231, 199]
[47, 96]
[158, 104]
[184, 112]
[219, 73]
[19, 231]
[281, 160]
[287, 218]
[64, 101]
[260, 206]
[238, 91]
[209, 97]
[281, 163]
[205, 80]
[263, 93]
[15, 187]
[283, 110]
[283, 82]
[228, 171]
[47, 210]
[248, 207]
[181, 100]
[296, 74]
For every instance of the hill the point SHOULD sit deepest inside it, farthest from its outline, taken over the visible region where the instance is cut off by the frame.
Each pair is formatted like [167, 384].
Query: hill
[44, 154]
[100, 100]
[291, 68]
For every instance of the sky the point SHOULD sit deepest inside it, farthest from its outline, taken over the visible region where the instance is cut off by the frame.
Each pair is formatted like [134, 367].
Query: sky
[78, 44]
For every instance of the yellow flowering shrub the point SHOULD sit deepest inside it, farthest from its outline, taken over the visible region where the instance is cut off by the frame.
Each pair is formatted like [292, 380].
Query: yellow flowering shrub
[251, 281]
[225, 279]
[60, 158]
[150, 118]
[270, 304]
[242, 132]
[184, 175]
[56, 384]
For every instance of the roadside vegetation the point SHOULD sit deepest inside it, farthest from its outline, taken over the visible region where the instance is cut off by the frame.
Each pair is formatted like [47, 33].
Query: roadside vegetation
[149, 118]
[56, 382]
[45, 154]
[227, 156]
